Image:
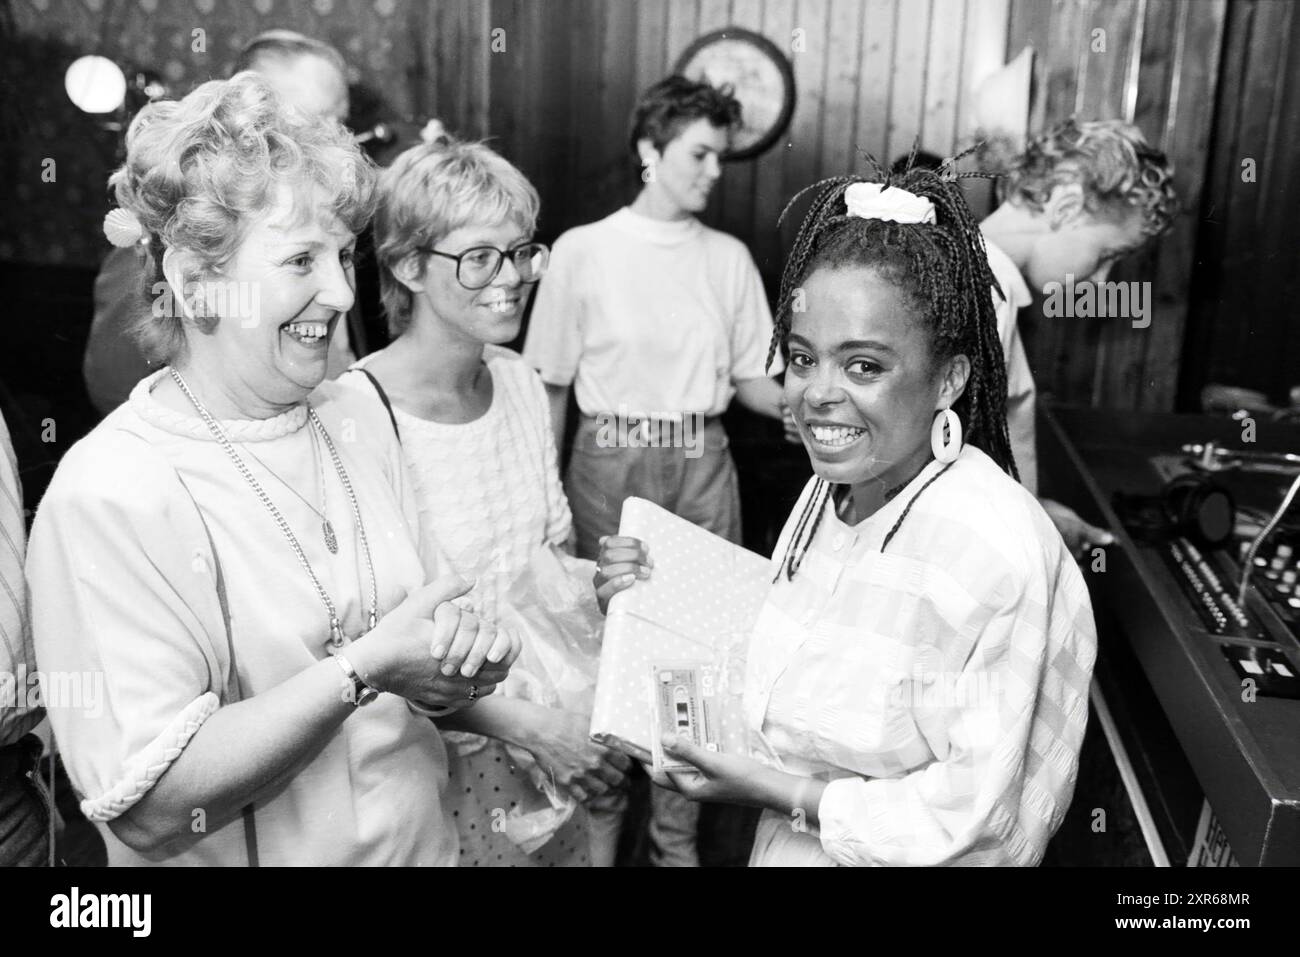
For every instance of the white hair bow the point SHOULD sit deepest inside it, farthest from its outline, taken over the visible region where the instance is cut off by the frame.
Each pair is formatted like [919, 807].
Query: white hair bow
[873, 201]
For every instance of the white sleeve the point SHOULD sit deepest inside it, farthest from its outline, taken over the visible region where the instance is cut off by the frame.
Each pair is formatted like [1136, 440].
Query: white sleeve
[128, 628]
[752, 327]
[554, 343]
[1021, 392]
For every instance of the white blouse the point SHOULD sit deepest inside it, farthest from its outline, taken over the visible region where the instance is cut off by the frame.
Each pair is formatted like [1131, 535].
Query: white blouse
[139, 520]
[488, 491]
[940, 686]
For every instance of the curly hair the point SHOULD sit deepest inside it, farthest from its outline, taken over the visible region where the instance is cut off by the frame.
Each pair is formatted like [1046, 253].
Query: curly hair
[942, 267]
[200, 170]
[675, 102]
[432, 190]
[1110, 159]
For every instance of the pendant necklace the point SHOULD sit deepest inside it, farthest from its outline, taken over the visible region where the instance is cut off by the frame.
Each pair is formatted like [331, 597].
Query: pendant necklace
[337, 639]
[327, 527]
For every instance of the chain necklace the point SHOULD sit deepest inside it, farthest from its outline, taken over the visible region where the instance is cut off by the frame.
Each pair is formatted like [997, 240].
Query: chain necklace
[326, 527]
[337, 639]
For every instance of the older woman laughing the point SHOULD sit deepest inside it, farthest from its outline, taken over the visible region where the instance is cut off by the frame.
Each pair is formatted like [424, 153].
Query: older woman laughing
[234, 549]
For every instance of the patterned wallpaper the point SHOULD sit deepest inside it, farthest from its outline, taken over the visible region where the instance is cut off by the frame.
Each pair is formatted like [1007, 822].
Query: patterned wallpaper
[59, 222]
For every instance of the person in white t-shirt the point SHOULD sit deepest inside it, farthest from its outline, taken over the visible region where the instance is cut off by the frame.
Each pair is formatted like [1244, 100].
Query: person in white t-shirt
[1081, 197]
[656, 322]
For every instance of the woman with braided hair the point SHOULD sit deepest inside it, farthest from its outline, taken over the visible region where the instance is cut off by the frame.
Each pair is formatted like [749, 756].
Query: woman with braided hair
[917, 681]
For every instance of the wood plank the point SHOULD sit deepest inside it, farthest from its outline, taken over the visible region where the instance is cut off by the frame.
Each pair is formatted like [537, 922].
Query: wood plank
[584, 152]
[803, 160]
[907, 100]
[843, 64]
[1278, 345]
[505, 80]
[1233, 344]
[1202, 348]
[617, 180]
[421, 20]
[651, 33]
[875, 84]
[443, 96]
[1187, 141]
[738, 180]
[683, 29]
[1103, 73]
[1054, 341]
[1111, 372]
[555, 138]
[1119, 364]
[943, 76]
[770, 192]
[476, 39]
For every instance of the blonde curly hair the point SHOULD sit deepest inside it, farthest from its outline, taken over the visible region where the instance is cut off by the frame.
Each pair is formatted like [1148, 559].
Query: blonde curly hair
[200, 170]
[1110, 159]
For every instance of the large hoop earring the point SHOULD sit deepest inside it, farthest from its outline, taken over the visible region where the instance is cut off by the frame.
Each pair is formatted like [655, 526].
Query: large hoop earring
[946, 451]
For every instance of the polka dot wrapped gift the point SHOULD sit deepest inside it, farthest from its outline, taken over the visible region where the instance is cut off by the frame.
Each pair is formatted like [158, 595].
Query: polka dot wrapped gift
[697, 608]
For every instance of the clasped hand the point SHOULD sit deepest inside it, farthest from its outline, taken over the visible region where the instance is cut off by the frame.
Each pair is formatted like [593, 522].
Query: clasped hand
[430, 651]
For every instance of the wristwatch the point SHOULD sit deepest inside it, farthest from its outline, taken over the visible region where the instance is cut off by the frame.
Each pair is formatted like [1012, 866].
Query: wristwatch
[355, 690]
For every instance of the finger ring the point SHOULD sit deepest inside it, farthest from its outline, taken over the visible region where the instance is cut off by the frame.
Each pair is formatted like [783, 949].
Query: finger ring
[473, 693]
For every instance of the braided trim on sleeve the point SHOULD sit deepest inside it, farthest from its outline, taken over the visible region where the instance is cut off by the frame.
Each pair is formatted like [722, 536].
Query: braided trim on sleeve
[142, 771]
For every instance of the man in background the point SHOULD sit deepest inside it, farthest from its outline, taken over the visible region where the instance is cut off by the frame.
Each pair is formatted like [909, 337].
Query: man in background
[1081, 197]
[307, 73]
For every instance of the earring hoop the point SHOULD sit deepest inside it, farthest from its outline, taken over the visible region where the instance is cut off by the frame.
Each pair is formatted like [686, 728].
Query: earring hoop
[946, 451]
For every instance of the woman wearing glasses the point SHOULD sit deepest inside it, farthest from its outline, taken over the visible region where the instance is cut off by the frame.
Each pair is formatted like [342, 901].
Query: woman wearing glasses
[453, 235]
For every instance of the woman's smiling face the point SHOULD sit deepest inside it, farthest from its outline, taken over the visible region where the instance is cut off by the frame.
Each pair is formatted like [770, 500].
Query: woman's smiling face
[281, 296]
[863, 384]
[491, 315]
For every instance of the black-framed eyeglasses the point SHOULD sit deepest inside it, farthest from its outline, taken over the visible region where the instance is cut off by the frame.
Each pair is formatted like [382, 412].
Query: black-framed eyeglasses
[478, 266]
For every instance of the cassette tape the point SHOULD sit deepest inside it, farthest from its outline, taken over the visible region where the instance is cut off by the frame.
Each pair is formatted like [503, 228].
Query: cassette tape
[684, 701]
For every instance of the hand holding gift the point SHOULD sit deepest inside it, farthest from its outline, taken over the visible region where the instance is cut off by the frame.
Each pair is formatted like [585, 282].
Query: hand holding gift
[621, 562]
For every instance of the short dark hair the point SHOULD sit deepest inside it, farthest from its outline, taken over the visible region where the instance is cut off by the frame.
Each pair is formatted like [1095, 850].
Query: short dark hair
[674, 103]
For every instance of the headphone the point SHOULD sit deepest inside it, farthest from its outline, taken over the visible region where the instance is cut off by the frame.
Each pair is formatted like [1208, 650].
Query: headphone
[1192, 505]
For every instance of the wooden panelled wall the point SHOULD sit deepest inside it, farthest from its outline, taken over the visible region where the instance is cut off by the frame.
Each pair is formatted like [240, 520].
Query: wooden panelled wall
[1245, 328]
[872, 76]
